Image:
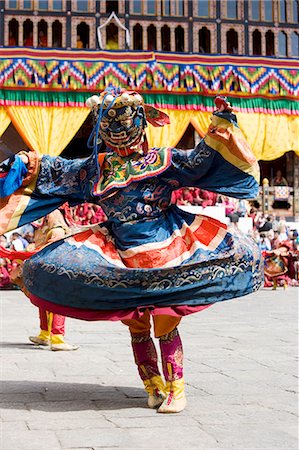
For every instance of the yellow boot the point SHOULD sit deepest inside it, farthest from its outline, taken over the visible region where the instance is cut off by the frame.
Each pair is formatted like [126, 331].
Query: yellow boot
[58, 344]
[172, 361]
[42, 339]
[156, 391]
[176, 400]
[146, 359]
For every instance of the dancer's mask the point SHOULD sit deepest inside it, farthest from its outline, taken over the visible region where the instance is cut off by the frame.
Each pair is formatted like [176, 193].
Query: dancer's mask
[121, 117]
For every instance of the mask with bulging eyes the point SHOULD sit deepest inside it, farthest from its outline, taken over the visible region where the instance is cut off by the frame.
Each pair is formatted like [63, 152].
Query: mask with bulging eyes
[120, 119]
[122, 127]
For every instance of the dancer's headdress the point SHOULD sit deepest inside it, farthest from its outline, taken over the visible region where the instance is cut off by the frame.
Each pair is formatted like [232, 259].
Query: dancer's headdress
[121, 117]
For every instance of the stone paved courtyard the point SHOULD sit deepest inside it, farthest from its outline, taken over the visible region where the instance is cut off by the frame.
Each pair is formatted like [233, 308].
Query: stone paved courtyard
[241, 373]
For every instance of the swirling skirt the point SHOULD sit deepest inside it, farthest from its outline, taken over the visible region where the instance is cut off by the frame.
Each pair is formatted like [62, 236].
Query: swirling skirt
[87, 277]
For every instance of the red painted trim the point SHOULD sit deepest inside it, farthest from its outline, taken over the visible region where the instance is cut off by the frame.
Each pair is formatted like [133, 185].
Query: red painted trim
[62, 55]
[122, 56]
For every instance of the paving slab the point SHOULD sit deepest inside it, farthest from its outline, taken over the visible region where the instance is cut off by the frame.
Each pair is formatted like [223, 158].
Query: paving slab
[241, 372]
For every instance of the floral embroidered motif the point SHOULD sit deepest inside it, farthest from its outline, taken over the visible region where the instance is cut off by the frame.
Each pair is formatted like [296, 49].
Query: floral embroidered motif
[138, 201]
[119, 172]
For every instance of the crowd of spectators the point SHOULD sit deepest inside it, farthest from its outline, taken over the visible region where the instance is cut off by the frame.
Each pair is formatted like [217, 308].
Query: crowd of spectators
[85, 215]
[23, 239]
[272, 233]
[194, 196]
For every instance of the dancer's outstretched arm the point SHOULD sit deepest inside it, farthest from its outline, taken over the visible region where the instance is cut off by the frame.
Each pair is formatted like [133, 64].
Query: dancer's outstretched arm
[222, 162]
[33, 186]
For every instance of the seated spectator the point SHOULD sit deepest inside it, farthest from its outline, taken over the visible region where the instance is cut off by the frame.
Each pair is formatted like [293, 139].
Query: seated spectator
[177, 197]
[84, 214]
[255, 205]
[4, 275]
[197, 197]
[280, 266]
[18, 243]
[3, 241]
[42, 39]
[230, 210]
[28, 42]
[283, 235]
[282, 230]
[183, 197]
[256, 236]
[242, 208]
[99, 214]
[279, 180]
[265, 243]
[12, 40]
[275, 241]
[275, 223]
[229, 205]
[187, 196]
[282, 223]
[296, 237]
[208, 198]
[27, 232]
[89, 218]
[79, 42]
[267, 225]
[12, 267]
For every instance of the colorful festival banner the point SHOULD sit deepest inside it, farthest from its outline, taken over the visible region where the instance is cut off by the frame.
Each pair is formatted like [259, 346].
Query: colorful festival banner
[168, 72]
[263, 91]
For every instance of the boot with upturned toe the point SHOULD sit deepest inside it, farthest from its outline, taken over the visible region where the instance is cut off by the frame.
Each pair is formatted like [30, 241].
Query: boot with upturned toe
[58, 344]
[63, 347]
[175, 401]
[146, 359]
[156, 391]
[38, 341]
[172, 361]
[42, 339]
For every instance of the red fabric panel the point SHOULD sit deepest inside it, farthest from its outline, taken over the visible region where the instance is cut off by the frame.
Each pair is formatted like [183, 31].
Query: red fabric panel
[91, 315]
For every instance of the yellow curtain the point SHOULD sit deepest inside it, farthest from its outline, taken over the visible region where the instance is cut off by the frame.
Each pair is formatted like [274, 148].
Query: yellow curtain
[253, 127]
[201, 121]
[293, 133]
[270, 136]
[47, 130]
[169, 135]
[4, 120]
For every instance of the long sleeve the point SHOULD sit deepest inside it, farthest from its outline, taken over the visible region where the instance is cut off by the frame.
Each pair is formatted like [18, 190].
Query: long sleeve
[48, 183]
[70, 179]
[222, 162]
